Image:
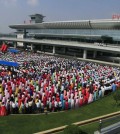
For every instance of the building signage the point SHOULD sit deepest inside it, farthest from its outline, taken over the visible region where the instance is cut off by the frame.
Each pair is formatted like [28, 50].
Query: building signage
[116, 16]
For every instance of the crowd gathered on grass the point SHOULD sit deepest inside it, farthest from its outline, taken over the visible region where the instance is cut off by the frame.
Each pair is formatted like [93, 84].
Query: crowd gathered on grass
[47, 83]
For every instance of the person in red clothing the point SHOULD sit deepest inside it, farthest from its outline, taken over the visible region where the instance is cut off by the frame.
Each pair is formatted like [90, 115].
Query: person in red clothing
[44, 100]
[81, 100]
[83, 91]
[19, 101]
[3, 110]
[53, 104]
[87, 95]
[85, 100]
[57, 97]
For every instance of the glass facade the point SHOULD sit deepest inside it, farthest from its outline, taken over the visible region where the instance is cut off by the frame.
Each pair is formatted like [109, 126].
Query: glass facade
[115, 34]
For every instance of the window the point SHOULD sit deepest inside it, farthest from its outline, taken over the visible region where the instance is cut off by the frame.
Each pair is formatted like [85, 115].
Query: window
[33, 18]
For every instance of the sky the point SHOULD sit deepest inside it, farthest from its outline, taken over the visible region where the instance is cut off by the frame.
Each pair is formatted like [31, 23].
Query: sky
[18, 11]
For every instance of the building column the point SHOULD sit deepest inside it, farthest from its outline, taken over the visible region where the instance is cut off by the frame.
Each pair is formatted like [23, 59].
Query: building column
[24, 36]
[24, 33]
[94, 54]
[32, 47]
[15, 44]
[85, 54]
[25, 46]
[41, 47]
[64, 50]
[53, 49]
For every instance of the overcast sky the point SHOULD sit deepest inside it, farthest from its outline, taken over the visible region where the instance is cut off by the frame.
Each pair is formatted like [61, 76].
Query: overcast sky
[16, 11]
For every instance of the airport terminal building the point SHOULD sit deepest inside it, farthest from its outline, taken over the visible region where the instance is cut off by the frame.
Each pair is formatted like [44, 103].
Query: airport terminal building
[99, 33]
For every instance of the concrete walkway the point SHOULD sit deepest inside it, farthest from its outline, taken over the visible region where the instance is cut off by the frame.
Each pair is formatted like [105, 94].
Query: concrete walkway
[112, 129]
[88, 60]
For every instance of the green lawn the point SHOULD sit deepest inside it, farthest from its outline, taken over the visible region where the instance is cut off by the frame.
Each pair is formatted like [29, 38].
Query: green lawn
[28, 124]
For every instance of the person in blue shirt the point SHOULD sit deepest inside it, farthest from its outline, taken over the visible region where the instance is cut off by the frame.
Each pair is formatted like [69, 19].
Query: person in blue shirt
[114, 87]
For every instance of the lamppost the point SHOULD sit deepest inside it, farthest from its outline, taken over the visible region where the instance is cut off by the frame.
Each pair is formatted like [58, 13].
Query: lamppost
[100, 125]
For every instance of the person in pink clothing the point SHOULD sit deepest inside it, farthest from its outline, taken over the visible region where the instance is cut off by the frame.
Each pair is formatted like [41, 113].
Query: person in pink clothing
[76, 102]
[90, 99]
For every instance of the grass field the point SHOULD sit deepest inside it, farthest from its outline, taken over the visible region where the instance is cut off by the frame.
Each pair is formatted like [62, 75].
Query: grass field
[28, 124]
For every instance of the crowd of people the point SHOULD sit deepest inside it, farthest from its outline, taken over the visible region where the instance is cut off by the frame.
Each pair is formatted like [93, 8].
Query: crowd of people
[50, 83]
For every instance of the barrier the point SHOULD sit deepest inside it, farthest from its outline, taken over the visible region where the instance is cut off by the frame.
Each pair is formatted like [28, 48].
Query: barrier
[7, 63]
[13, 50]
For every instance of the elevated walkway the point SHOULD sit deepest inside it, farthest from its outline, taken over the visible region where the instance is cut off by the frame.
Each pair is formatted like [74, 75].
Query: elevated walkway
[87, 46]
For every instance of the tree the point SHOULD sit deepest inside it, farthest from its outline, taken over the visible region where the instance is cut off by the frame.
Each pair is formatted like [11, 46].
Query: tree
[73, 129]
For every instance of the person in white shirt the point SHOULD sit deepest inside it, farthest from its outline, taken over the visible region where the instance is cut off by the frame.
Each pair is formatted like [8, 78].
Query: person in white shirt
[56, 105]
[1, 96]
[22, 108]
[26, 107]
[72, 103]
[103, 90]
[30, 105]
[50, 106]
[13, 107]
[42, 107]
[17, 107]
[60, 105]
[38, 106]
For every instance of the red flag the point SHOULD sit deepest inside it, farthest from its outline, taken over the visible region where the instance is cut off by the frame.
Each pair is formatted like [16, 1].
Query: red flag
[2, 47]
[5, 48]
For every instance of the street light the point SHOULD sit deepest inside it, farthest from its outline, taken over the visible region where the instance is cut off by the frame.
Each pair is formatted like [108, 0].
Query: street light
[100, 125]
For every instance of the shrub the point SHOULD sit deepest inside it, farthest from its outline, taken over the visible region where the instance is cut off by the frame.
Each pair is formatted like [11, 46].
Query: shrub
[72, 129]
